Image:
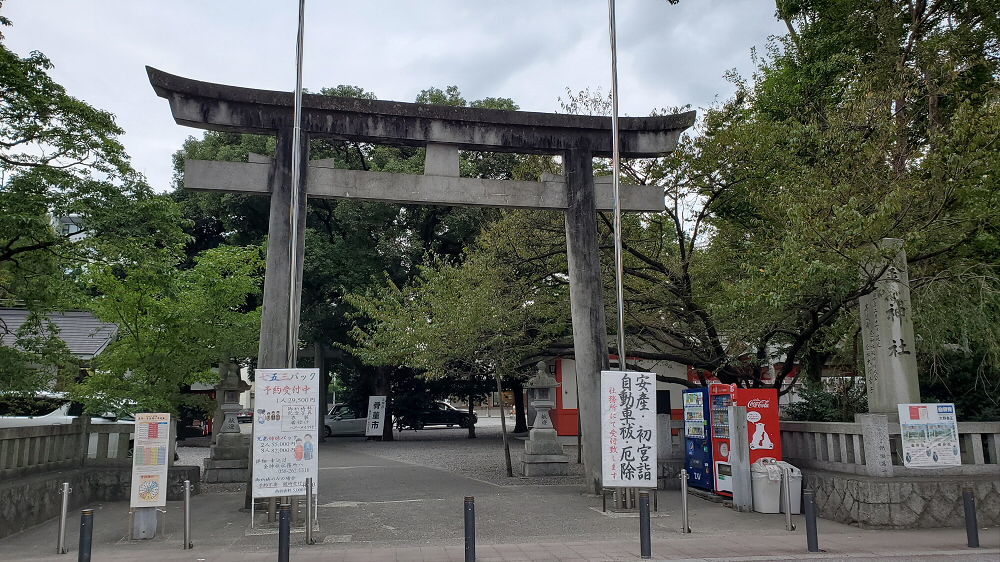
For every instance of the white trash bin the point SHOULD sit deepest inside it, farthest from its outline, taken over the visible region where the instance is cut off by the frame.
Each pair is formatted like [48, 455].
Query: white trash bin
[765, 477]
[794, 485]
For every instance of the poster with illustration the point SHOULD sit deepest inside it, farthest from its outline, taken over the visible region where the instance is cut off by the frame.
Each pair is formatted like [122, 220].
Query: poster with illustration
[285, 431]
[150, 450]
[929, 435]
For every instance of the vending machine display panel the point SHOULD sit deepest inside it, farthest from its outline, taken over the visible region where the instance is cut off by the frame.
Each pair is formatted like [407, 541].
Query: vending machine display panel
[697, 439]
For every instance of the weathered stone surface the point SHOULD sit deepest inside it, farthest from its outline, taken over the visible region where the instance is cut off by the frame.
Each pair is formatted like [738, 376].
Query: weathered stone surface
[887, 334]
[218, 475]
[902, 503]
[33, 499]
[543, 448]
[323, 181]
[206, 105]
[544, 465]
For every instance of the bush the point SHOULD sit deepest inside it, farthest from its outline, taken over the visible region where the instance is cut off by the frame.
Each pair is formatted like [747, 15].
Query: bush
[832, 400]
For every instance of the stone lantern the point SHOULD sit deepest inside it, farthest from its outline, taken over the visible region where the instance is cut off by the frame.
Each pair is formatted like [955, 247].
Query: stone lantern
[543, 454]
[229, 459]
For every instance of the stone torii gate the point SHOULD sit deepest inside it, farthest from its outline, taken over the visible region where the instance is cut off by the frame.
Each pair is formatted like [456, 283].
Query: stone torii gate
[443, 130]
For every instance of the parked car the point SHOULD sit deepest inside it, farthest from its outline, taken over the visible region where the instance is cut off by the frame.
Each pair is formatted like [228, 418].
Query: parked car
[245, 416]
[342, 420]
[438, 413]
[46, 408]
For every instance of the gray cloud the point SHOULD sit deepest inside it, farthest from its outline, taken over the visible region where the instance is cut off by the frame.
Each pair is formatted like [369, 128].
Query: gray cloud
[526, 50]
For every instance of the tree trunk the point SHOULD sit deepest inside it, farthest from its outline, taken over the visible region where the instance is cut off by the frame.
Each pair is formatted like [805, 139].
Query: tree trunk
[384, 388]
[472, 426]
[521, 414]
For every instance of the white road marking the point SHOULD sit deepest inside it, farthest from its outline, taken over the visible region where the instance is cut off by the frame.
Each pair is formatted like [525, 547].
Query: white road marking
[358, 504]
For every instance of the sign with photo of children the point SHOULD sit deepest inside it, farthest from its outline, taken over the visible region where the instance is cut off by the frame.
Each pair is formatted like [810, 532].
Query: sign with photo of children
[285, 431]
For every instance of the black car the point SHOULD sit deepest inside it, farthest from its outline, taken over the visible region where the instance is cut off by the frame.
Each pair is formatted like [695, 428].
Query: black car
[438, 413]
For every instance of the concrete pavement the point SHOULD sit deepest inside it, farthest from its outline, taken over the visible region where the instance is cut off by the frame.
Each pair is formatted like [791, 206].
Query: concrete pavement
[375, 506]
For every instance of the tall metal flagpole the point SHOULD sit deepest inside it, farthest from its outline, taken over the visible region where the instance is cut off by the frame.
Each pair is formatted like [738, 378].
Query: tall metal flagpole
[616, 183]
[293, 296]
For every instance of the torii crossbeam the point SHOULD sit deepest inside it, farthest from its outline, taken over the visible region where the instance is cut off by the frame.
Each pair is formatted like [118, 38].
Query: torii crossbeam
[443, 130]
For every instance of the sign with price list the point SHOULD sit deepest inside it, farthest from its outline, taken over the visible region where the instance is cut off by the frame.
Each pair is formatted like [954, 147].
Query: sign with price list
[150, 450]
[285, 434]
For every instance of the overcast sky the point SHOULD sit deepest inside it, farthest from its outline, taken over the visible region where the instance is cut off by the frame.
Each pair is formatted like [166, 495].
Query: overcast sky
[527, 50]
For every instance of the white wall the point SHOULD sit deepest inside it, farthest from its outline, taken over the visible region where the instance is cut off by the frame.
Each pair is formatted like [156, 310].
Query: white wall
[666, 368]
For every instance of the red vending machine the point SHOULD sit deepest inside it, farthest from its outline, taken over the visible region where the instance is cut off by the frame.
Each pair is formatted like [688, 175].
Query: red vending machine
[763, 428]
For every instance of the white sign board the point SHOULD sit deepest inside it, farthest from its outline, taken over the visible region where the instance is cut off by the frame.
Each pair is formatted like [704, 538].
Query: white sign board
[285, 431]
[150, 454]
[628, 429]
[929, 435]
[375, 424]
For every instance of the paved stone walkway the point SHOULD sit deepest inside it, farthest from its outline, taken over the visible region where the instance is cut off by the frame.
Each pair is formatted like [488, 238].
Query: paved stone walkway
[403, 501]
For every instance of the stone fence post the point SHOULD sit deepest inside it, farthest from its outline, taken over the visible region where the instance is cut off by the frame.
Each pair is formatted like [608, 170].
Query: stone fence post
[83, 426]
[664, 439]
[878, 450]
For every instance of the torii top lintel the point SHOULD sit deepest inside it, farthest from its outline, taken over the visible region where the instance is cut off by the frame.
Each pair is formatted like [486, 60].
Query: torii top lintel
[219, 107]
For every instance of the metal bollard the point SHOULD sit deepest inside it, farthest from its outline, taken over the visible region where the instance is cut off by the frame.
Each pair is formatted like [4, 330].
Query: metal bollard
[284, 527]
[61, 539]
[786, 497]
[645, 546]
[86, 534]
[187, 515]
[812, 539]
[309, 511]
[685, 522]
[470, 529]
[971, 523]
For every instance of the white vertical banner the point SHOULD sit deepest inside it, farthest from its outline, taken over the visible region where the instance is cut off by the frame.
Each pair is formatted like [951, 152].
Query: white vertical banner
[375, 424]
[628, 429]
[150, 452]
[284, 431]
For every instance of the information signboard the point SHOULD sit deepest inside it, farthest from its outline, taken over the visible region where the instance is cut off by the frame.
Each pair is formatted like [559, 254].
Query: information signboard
[150, 454]
[628, 429]
[375, 424]
[929, 435]
[284, 431]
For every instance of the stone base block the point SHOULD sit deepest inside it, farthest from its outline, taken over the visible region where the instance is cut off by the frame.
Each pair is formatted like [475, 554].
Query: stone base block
[532, 447]
[544, 465]
[217, 475]
[226, 470]
[230, 453]
[237, 463]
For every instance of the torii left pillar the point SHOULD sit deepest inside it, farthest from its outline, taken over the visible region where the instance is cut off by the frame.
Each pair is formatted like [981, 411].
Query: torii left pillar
[282, 286]
[279, 326]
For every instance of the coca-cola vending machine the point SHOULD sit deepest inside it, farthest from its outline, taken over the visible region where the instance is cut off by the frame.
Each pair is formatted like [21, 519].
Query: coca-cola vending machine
[763, 428]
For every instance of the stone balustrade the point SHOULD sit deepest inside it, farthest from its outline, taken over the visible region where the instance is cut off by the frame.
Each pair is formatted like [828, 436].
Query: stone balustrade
[866, 448]
[43, 448]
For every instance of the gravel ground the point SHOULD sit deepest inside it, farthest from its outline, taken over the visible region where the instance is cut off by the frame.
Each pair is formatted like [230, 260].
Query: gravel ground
[192, 456]
[451, 449]
[442, 448]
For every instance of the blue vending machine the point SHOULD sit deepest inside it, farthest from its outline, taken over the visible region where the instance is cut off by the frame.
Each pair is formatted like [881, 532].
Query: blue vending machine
[698, 439]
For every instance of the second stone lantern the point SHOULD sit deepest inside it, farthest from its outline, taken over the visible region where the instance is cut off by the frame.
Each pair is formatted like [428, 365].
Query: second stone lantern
[543, 454]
